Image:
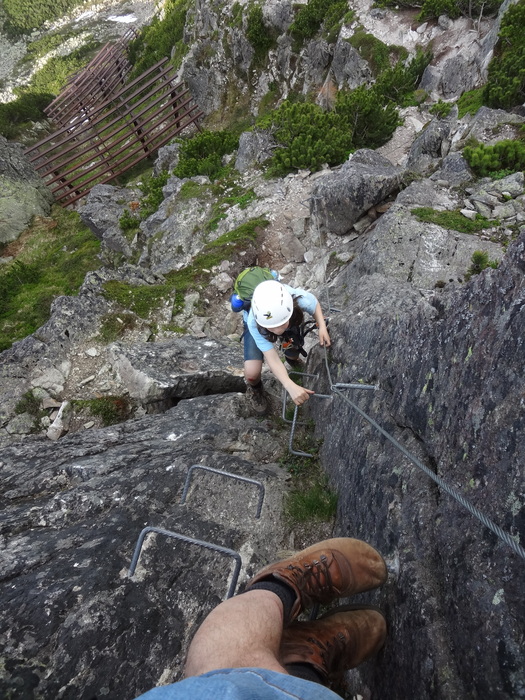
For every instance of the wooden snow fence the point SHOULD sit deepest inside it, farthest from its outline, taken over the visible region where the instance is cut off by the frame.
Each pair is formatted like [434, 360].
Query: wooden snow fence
[103, 138]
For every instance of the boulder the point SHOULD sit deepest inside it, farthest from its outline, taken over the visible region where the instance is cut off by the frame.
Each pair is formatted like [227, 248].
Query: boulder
[348, 68]
[160, 374]
[340, 198]
[432, 144]
[403, 248]
[104, 206]
[22, 192]
[255, 147]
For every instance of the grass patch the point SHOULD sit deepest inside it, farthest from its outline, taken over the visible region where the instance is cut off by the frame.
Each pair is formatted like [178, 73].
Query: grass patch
[29, 403]
[453, 220]
[53, 258]
[110, 409]
[114, 326]
[310, 498]
[146, 298]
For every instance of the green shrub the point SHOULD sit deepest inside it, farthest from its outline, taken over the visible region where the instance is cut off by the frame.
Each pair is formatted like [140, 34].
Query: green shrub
[258, 34]
[486, 161]
[153, 195]
[156, 40]
[129, 221]
[202, 154]
[374, 51]
[308, 137]
[23, 17]
[369, 118]
[432, 9]
[16, 116]
[400, 81]
[470, 102]
[506, 73]
[480, 262]
[441, 109]
[29, 403]
[311, 16]
[53, 76]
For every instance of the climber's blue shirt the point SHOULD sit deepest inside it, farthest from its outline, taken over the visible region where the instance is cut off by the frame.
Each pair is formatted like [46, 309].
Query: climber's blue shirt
[307, 302]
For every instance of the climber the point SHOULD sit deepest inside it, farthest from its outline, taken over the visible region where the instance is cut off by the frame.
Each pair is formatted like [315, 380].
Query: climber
[252, 646]
[277, 311]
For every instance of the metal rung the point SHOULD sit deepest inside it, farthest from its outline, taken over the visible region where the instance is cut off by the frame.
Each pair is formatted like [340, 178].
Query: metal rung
[294, 423]
[223, 473]
[355, 386]
[189, 540]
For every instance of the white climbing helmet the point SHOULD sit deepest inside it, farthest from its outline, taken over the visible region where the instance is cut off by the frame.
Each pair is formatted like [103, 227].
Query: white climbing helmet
[272, 304]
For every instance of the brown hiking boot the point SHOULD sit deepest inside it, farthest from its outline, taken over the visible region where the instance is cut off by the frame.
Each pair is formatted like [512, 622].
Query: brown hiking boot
[338, 641]
[327, 570]
[256, 400]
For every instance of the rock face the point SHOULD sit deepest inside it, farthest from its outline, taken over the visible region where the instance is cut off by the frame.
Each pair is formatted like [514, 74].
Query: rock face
[340, 199]
[22, 193]
[449, 372]
[74, 624]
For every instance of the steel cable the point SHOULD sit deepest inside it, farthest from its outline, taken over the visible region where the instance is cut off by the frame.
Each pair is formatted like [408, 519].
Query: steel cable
[490, 524]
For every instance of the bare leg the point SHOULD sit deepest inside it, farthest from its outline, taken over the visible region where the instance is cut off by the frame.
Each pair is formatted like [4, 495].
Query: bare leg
[243, 631]
[252, 371]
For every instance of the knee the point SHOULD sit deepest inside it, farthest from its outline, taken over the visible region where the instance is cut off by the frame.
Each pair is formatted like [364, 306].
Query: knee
[252, 377]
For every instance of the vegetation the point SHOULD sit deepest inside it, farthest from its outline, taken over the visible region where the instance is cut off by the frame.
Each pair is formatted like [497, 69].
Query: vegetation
[375, 52]
[110, 409]
[142, 300]
[365, 117]
[46, 44]
[114, 326]
[23, 17]
[53, 76]
[470, 102]
[55, 256]
[480, 262]
[16, 116]
[441, 109]
[258, 34]
[309, 137]
[29, 403]
[310, 498]
[432, 9]
[151, 200]
[202, 154]
[157, 40]
[453, 220]
[45, 85]
[506, 74]
[311, 16]
[503, 158]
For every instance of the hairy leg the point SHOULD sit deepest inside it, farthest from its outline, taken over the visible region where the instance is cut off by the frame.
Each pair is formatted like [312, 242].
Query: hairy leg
[243, 631]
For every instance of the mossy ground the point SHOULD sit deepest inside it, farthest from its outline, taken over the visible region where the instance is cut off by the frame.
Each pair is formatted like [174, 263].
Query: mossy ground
[51, 258]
